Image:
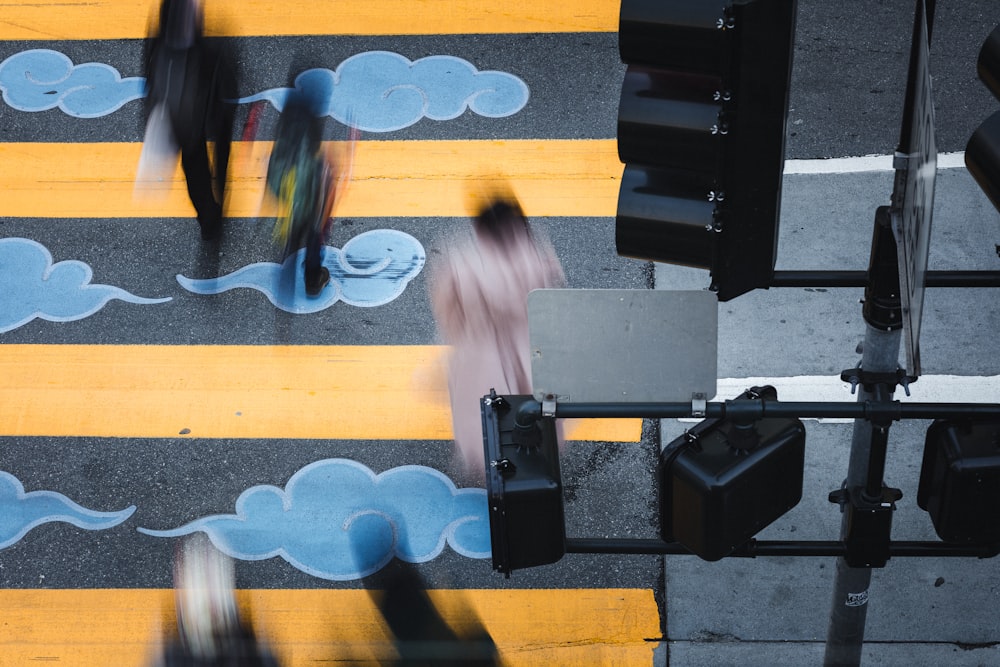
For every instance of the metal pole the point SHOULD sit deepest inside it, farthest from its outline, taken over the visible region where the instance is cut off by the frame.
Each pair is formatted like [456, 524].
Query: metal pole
[880, 354]
[846, 632]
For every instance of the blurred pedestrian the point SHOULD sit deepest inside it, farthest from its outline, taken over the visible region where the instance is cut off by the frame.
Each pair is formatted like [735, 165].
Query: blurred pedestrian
[306, 179]
[424, 633]
[301, 179]
[479, 295]
[423, 636]
[189, 81]
[210, 631]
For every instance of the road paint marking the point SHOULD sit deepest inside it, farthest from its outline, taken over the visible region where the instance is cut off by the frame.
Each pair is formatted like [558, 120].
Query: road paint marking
[33, 286]
[128, 19]
[23, 511]
[390, 179]
[554, 177]
[339, 520]
[42, 79]
[373, 91]
[851, 165]
[349, 392]
[381, 91]
[543, 627]
[372, 269]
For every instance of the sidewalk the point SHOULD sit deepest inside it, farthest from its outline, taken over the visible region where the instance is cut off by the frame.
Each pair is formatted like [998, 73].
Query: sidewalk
[775, 611]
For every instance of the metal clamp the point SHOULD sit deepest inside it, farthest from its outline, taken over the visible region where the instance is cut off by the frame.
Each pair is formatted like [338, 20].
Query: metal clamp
[868, 379]
[699, 404]
[549, 406]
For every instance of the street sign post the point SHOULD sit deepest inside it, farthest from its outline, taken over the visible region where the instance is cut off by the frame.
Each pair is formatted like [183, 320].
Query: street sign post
[867, 504]
[913, 192]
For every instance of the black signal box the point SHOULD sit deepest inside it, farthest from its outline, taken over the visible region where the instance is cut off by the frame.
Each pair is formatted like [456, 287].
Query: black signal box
[960, 480]
[722, 482]
[524, 487]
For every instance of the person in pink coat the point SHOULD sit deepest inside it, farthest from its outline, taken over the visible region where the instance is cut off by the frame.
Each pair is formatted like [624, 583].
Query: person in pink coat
[479, 295]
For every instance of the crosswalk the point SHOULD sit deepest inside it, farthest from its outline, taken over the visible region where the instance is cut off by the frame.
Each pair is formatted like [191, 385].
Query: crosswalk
[559, 178]
[114, 627]
[178, 403]
[122, 19]
[234, 391]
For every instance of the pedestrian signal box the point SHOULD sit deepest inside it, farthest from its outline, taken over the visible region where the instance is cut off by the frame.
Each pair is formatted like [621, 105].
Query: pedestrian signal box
[725, 480]
[960, 480]
[523, 486]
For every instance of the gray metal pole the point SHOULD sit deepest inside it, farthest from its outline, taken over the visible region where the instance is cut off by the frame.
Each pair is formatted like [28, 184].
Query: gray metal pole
[846, 633]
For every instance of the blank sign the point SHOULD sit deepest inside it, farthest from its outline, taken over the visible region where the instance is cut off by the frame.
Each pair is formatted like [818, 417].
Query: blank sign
[623, 346]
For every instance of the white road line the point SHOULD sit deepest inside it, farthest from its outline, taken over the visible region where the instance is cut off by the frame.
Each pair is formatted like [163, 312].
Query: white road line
[927, 389]
[850, 165]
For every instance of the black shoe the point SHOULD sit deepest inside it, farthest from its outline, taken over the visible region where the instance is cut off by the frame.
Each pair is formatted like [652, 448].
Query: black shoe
[317, 281]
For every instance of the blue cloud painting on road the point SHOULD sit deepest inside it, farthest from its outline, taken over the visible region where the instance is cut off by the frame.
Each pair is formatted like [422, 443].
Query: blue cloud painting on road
[32, 286]
[372, 269]
[381, 91]
[375, 91]
[42, 79]
[338, 520]
[20, 511]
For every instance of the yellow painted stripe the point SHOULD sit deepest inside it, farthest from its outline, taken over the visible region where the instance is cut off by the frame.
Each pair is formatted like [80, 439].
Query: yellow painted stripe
[390, 178]
[123, 19]
[232, 391]
[96, 628]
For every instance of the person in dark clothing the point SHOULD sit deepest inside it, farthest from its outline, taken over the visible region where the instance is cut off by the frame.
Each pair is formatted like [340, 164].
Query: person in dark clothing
[191, 79]
[301, 176]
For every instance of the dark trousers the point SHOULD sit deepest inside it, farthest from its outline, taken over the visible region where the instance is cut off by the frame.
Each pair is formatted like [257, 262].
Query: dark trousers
[207, 190]
[314, 255]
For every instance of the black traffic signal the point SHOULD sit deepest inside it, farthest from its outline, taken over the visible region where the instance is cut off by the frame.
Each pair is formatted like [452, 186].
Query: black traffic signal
[982, 154]
[960, 480]
[723, 481]
[523, 486]
[701, 130]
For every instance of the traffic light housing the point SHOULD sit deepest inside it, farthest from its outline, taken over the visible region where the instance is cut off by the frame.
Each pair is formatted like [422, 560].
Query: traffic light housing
[523, 486]
[982, 154]
[724, 480]
[701, 131]
[960, 480]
